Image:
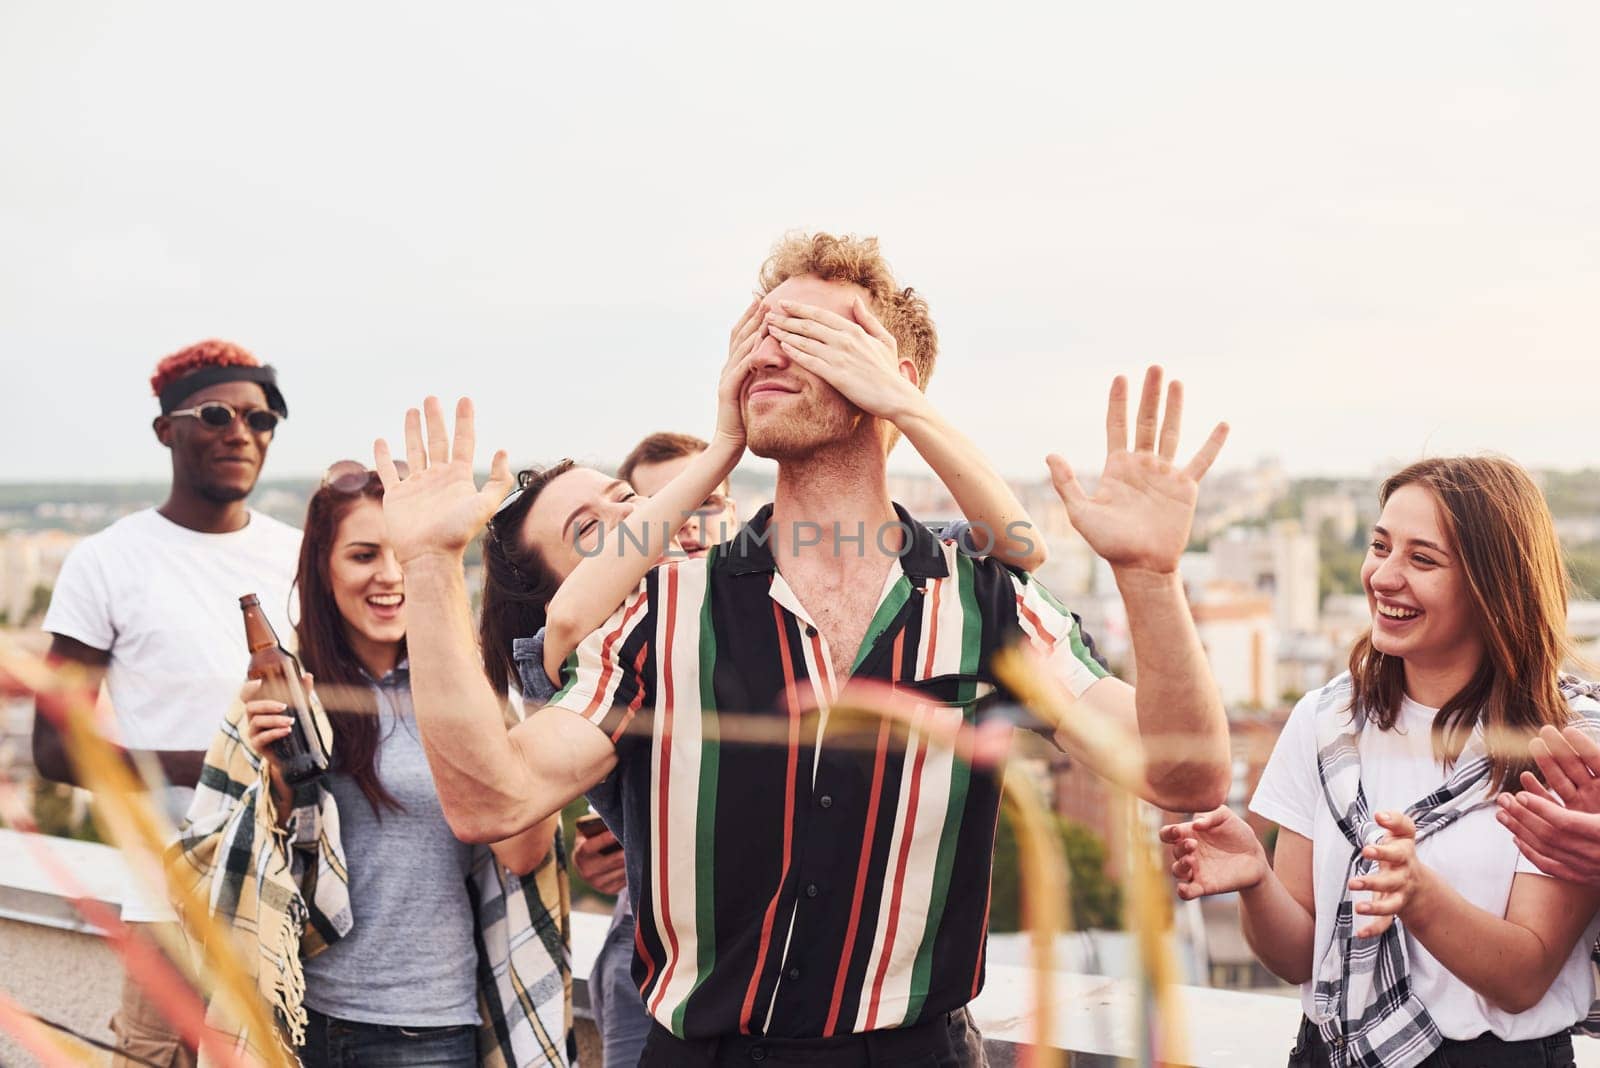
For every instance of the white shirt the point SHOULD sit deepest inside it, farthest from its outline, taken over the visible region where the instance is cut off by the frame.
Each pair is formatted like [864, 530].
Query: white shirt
[1475, 855]
[163, 600]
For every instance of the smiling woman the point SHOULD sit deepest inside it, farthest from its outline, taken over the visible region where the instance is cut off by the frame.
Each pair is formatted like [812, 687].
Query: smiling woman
[413, 918]
[1394, 897]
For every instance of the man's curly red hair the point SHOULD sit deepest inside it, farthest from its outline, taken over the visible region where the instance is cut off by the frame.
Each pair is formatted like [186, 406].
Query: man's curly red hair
[210, 353]
[903, 312]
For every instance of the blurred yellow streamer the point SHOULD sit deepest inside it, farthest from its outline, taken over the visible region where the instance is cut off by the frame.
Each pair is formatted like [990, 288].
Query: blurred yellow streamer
[52, 1049]
[1147, 905]
[127, 817]
[140, 829]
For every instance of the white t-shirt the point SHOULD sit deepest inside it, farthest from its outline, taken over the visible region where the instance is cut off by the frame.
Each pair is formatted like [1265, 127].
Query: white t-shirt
[163, 600]
[1475, 855]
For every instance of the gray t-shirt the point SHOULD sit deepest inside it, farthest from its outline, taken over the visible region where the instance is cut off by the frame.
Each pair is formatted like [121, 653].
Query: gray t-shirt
[410, 959]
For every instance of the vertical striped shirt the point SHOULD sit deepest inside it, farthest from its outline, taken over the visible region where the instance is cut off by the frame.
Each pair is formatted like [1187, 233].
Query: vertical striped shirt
[785, 886]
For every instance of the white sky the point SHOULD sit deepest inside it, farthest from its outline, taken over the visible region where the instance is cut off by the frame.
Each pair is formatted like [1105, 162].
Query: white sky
[1359, 233]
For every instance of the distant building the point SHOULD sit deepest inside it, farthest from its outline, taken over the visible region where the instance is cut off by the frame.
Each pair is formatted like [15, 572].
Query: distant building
[1239, 496]
[1279, 561]
[1240, 637]
[29, 560]
[1335, 513]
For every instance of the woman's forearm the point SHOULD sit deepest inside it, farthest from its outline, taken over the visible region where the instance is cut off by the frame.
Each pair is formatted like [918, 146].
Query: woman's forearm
[601, 582]
[1280, 931]
[526, 851]
[997, 517]
[1510, 961]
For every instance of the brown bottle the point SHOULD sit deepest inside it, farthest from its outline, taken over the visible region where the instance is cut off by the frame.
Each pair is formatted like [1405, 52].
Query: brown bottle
[300, 754]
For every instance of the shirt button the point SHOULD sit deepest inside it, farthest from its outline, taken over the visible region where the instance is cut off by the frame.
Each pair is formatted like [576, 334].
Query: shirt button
[826, 801]
[811, 632]
[811, 890]
[794, 973]
[758, 1054]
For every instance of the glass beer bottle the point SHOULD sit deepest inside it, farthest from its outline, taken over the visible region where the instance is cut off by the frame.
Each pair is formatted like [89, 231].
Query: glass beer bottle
[300, 754]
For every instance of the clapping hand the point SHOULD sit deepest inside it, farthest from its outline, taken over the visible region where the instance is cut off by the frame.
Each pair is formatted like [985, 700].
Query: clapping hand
[1398, 879]
[437, 508]
[1214, 853]
[1557, 823]
[1139, 515]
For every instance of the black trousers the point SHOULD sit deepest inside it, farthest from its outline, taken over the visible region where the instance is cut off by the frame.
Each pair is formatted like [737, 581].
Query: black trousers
[947, 1041]
[1485, 1051]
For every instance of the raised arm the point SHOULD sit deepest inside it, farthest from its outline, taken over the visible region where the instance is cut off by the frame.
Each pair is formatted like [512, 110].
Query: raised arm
[599, 583]
[860, 359]
[1138, 520]
[492, 784]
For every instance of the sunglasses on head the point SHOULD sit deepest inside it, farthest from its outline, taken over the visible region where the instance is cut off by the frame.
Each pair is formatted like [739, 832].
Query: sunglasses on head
[524, 480]
[216, 414]
[352, 476]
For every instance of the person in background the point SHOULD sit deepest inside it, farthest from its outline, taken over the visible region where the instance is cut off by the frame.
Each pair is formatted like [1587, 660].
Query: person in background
[151, 606]
[411, 946]
[660, 458]
[1417, 933]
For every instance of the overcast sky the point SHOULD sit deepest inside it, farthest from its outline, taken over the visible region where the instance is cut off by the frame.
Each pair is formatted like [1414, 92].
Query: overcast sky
[1360, 233]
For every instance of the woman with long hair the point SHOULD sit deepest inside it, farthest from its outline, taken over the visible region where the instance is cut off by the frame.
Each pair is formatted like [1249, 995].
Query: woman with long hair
[407, 945]
[1396, 899]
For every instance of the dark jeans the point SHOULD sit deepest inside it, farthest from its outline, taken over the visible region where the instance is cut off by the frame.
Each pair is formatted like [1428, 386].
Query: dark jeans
[1485, 1051]
[947, 1041]
[619, 1011]
[332, 1043]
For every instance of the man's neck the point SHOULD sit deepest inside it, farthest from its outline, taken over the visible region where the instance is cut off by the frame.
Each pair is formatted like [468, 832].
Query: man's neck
[188, 509]
[828, 500]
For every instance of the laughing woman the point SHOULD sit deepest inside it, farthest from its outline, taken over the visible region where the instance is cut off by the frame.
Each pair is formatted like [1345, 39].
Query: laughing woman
[1418, 933]
[410, 946]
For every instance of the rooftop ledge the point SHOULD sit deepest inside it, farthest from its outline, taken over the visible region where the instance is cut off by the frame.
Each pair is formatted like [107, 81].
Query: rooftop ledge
[1095, 1015]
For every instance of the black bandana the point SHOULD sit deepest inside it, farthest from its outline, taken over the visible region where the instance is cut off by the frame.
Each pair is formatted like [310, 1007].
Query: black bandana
[265, 377]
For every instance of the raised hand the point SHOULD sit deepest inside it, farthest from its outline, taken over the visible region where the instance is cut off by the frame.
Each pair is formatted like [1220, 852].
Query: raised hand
[1399, 878]
[437, 508]
[1140, 513]
[856, 356]
[1214, 853]
[742, 341]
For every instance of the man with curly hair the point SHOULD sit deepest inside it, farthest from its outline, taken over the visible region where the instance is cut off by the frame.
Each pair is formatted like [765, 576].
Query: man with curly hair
[806, 892]
[149, 605]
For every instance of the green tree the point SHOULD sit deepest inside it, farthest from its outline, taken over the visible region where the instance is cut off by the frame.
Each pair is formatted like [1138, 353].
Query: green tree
[1583, 564]
[1095, 900]
[52, 811]
[38, 604]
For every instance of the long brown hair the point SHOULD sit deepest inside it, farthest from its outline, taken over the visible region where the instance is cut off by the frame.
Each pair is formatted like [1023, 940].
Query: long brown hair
[517, 583]
[325, 651]
[1499, 526]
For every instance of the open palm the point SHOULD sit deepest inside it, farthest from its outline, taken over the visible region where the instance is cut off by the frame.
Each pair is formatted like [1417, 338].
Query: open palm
[1140, 512]
[437, 508]
[1214, 853]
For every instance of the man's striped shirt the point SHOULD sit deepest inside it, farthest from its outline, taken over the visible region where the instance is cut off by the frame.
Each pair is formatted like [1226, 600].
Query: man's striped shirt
[802, 885]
